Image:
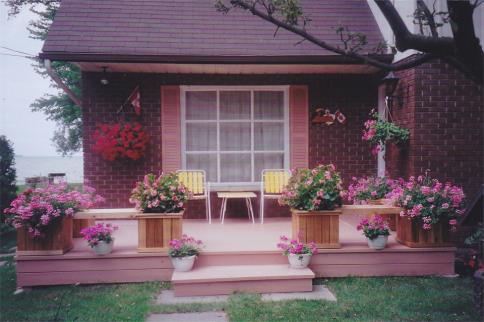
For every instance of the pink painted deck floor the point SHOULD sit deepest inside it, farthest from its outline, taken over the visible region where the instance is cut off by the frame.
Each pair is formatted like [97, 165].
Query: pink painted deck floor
[235, 235]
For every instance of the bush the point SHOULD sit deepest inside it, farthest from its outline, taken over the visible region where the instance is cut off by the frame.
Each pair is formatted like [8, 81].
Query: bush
[8, 188]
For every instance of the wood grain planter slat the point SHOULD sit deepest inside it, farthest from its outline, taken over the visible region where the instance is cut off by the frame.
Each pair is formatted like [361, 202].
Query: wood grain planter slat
[320, 227]
[155, 230]
[79, 224]
[57, 240]
[410, 233]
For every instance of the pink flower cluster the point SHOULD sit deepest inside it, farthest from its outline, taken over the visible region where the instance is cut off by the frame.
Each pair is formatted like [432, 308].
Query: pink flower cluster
[163, 194]
[38, 209]
[372, 228]
[186, 246]
[294, 246]
[313, 189]
[361, 190]
[430, 201]
[97, 233]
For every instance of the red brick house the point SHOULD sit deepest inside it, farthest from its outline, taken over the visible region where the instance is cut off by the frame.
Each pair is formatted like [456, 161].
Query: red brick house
[222, 93]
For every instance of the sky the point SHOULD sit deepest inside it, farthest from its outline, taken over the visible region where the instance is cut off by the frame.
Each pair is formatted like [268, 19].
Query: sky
[20, 85]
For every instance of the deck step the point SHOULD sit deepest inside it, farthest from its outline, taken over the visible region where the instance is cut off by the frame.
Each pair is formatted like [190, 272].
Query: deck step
[220, 280]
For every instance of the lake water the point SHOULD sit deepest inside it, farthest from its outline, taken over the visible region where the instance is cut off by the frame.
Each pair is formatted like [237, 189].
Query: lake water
[42, 166]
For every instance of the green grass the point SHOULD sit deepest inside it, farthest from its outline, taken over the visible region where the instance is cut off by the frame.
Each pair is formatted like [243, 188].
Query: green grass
[359, 299]
[114, 302]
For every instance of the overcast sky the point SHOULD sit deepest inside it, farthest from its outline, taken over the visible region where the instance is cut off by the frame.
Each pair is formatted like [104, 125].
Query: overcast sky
[29, 132]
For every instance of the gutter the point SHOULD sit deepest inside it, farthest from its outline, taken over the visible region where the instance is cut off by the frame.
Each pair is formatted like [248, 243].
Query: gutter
[60, 83]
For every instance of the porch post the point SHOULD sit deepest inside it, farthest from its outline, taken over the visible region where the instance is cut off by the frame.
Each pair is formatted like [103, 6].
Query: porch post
[170, 128]
[298, 126]
[382, 113]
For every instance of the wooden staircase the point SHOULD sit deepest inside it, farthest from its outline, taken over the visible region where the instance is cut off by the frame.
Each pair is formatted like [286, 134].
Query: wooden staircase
[240, 273]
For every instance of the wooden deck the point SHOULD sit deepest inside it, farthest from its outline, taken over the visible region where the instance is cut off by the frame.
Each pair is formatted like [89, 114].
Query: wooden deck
[236, 242]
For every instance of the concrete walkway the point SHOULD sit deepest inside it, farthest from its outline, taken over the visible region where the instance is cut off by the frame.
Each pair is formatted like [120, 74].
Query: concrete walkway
[189, 317]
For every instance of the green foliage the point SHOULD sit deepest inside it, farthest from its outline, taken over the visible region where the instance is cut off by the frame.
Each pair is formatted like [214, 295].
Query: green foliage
[59, 107]
[316, 189]
[8, 189]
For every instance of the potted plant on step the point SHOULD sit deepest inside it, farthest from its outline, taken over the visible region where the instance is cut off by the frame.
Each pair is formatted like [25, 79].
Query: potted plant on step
[373, 191]
[43, 217]
[298, 254]
[183, 252]
[314, 196]
[160, 200]
[430, 211]
[100, 238]
[376, 231]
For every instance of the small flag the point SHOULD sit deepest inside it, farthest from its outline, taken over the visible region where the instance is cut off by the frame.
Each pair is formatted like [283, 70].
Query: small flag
[135, 100]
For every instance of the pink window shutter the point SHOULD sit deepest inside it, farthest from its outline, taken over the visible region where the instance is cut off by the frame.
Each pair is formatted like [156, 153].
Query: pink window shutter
[299, 126]
[170, 128]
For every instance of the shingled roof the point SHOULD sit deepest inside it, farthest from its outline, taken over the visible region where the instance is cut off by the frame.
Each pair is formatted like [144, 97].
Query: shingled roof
[167, 30]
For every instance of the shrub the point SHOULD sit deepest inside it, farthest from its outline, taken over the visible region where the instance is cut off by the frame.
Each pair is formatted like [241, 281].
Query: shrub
[159, 194]
[184, 247]
[316, 189]
[8, 188]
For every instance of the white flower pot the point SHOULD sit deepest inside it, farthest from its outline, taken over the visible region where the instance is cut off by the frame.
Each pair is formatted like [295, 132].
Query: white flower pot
[183, 264]
[299, 260]
[103, 248]
[378, 243]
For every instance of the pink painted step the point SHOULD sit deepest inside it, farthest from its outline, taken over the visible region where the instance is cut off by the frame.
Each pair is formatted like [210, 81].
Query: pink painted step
[219, 280]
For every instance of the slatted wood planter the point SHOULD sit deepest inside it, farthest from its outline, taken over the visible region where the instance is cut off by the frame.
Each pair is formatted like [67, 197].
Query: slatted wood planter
[57, 241]
[321, 227]
[155, 230]
[79, 224]
[410, 233]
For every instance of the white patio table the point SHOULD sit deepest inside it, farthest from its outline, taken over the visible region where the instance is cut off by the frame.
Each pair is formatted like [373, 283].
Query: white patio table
[237, 195]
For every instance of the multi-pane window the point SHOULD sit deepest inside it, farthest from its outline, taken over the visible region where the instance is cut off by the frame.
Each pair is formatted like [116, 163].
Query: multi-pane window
[235, 133]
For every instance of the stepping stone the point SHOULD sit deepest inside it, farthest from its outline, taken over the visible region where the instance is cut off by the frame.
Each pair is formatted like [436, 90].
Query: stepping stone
[2, 263]
[168, 297]
[189, 317]
[320, 292]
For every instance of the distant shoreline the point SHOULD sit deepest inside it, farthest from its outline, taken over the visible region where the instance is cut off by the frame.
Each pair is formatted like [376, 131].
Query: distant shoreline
[33, 166]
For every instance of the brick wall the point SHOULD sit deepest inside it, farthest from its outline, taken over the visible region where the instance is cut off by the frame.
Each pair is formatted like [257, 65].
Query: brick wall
[339, 144]
[444, 112]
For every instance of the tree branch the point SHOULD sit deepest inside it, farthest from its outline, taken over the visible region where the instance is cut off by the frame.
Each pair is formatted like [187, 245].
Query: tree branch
[405, 40]
[429, 16]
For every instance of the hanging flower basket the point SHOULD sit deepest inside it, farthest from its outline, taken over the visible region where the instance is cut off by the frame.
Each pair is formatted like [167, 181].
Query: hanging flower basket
[120, 140]
[379, 131]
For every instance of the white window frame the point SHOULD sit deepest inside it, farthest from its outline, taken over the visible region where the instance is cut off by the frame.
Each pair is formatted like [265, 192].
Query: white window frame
[234, 186]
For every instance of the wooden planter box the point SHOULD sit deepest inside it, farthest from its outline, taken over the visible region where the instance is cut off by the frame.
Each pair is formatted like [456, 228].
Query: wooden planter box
[321, 227]
[57, 241]
[155, 230]
[79, 224]
[410, 233]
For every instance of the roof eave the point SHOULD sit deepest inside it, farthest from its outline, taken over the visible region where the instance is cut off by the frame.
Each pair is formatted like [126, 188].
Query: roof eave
[201, 59]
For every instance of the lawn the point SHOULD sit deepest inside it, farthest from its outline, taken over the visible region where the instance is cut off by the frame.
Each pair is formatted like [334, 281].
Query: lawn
[359, 299]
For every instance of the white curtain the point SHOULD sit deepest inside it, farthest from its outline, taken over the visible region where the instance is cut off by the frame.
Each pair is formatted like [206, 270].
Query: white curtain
[251, 138]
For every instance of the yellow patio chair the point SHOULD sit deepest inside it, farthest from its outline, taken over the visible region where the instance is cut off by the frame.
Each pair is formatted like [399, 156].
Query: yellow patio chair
[272, 183]
[195, 182]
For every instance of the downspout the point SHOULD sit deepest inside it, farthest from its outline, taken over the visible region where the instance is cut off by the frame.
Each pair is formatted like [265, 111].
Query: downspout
[60, 83]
